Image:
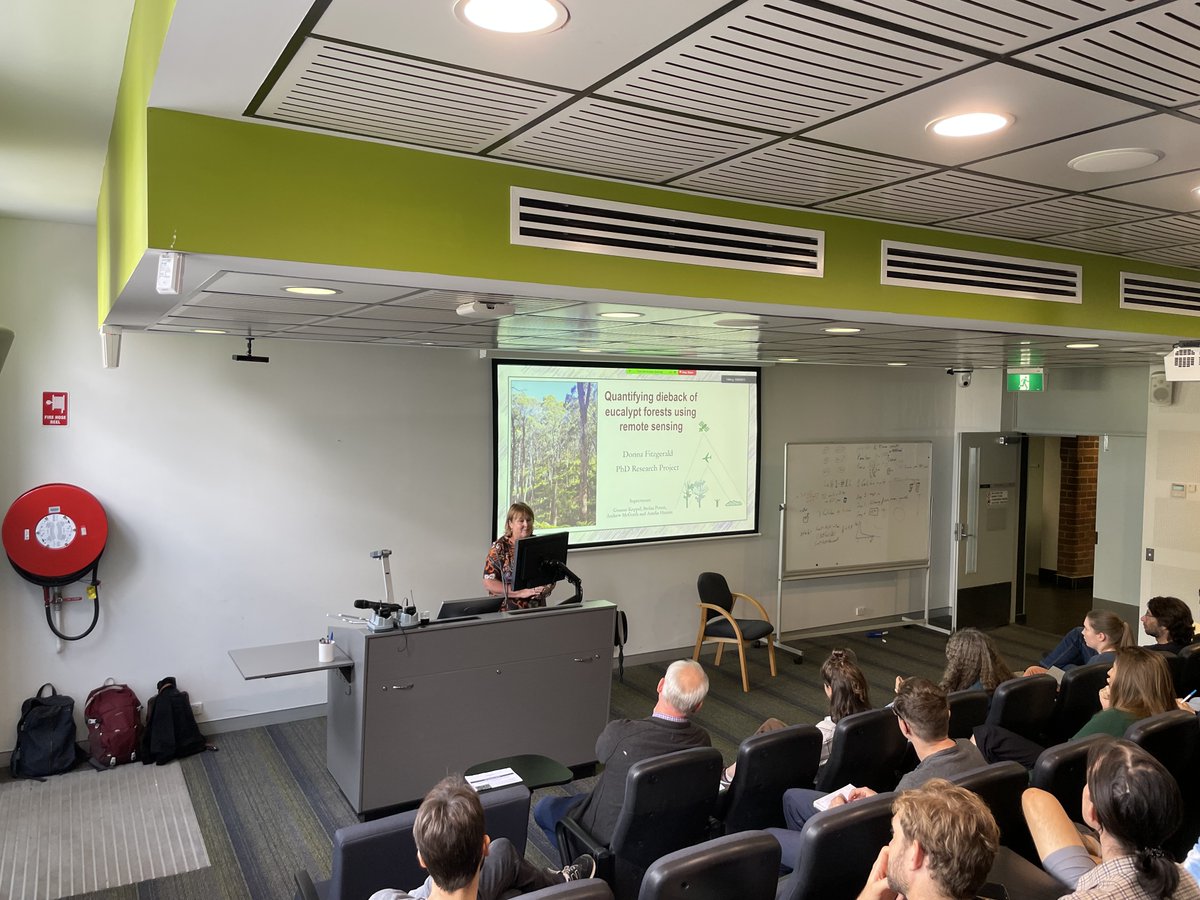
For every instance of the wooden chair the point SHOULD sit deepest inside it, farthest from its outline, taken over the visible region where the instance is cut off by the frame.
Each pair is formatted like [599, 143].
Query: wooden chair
[717, 622]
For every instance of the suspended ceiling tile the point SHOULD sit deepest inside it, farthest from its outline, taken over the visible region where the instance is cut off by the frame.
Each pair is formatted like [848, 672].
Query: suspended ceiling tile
[451, 300]
[1036, 220]
[1151, 56]
[607, 138]
[365, 92]
[238, 315]
[1188, 255]
[1121, 239]
[800, 172]
[999, 26]
[1047, 164]
[1045, 109]
[263, 285]
[937, 197]
[293, 304]
[783, 65]
[1173, 192]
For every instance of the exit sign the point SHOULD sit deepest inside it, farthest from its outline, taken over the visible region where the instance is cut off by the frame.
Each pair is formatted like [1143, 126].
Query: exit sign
[1026, 379]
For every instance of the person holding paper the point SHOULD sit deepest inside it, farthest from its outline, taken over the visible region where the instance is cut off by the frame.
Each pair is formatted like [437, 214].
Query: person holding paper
[497, 569]
[923, 716]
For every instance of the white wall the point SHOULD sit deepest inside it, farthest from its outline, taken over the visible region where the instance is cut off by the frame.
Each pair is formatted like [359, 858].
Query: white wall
[1051, 489]
[1034, 519]
[1171, 523]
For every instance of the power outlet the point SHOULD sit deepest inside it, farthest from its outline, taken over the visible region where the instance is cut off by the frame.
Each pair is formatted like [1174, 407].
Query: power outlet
[861, 611]
[198, 709]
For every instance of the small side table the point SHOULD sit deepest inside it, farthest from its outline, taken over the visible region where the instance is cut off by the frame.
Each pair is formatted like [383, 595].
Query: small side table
[535, 770]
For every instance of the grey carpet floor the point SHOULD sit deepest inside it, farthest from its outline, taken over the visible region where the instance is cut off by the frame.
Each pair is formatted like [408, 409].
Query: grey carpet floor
[266, 806]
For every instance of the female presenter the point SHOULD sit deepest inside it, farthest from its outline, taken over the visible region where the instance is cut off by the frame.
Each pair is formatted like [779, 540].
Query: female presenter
[497, 571]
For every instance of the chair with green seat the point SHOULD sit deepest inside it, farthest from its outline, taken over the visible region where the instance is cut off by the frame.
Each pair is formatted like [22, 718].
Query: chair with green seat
[717, 622]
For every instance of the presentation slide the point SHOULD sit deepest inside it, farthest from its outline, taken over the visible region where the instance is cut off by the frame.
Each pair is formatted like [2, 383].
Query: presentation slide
[621, 455]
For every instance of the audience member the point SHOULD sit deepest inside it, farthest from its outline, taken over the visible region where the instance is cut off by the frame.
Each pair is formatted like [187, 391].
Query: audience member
[625, 742]
[944, 841]
[1097, 640]
[1139, 685]
[973, 663]
[463, 863]
[1169, 621]
[923, 715]
[846, 689]
[1134, 805]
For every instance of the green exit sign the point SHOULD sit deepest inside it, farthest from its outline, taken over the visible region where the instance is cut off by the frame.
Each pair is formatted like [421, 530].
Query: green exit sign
[1026, 379]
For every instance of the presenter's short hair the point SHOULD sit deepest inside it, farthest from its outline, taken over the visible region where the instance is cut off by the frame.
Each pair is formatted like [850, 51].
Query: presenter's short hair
[685, 685]
[524, 510]
[955, 829]
[924, 707]
[448, 832]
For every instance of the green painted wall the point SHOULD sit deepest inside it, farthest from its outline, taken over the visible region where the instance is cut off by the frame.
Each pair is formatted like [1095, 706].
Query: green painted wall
[242, 189]
[121, 208]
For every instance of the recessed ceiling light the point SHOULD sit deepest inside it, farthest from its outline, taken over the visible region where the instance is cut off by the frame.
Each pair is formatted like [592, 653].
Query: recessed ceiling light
[1025, 343]
[751, 322]
[788, 359]
[513, 16]
[590, 350]
[625, 314]
[209, 331]
[897, 364]
[1196, 190]
[839, 329]
[1082, 346]
[1118, 159]
[311, 291]
[970, 124]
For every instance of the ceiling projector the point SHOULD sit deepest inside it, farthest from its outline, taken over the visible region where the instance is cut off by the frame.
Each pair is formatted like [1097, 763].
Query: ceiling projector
[485, 309]
[1183, 362]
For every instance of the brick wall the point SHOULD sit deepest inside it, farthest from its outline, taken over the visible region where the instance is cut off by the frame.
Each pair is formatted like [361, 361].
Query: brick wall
[1080, 457]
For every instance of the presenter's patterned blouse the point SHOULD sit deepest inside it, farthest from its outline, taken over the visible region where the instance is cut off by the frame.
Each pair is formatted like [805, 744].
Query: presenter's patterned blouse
[499, 566]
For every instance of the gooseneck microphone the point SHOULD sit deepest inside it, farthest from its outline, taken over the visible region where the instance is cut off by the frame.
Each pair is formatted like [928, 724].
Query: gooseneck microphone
[382, 608]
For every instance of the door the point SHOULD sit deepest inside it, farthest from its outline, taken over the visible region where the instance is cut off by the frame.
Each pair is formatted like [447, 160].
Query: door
[986, 529]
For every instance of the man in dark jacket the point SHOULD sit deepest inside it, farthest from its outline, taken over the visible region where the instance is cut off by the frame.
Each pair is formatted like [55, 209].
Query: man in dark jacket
[627, 741]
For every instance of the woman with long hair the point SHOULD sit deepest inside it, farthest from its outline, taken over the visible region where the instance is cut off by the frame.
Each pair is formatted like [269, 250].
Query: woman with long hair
[497, 568]
[973, 663]
[1134, 805]
[1139, 685]
[846, 689]
[1102, 634]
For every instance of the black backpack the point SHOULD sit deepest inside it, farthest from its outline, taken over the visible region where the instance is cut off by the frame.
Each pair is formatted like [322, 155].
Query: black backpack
[171, 730]
[45, 736]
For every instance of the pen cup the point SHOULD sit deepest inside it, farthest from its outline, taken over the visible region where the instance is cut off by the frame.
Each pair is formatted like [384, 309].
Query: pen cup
[324, 651]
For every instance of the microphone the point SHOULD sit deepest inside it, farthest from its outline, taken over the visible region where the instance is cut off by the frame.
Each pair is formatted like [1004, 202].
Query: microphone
[382, 608]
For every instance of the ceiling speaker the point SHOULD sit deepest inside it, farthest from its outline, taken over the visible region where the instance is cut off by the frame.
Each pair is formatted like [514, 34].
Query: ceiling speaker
[1162, 392]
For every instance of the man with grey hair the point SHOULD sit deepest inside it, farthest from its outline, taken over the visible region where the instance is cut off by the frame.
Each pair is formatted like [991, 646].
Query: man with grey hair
[624, 742]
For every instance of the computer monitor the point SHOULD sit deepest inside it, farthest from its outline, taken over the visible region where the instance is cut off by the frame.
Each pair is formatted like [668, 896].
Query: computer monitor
[477, 606]
[542, 559]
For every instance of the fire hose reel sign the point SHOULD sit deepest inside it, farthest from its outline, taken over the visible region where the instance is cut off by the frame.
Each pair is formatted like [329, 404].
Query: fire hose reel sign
[54, 407]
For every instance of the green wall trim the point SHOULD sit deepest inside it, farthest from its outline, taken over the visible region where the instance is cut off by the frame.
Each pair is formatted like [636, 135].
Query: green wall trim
[121, 208]
[237, 188]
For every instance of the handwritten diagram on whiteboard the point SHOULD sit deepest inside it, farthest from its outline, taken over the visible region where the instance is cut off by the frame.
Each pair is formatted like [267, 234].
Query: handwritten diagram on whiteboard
[855, 507]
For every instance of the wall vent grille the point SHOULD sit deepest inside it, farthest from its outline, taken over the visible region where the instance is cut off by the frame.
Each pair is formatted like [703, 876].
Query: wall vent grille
[1164, 295]
[943, 269]
[587, 225]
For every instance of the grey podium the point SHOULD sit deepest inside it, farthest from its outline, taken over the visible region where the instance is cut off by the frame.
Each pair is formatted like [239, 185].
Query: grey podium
[408, 707]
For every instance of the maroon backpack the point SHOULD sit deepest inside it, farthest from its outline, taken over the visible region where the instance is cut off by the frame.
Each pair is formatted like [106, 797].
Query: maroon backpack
[114, 720]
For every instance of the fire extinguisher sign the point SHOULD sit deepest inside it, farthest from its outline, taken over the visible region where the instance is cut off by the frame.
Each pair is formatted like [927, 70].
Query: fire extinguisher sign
[54, 407]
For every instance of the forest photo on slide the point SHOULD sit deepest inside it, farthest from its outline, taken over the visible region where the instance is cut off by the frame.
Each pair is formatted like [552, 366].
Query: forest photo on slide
[553, 459]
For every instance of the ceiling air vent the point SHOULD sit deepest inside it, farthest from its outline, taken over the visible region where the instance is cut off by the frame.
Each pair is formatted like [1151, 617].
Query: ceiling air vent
[1164, 295]
[943, 269]
[587, 225]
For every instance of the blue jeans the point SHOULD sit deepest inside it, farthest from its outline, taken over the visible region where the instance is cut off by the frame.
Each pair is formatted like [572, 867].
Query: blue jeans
[797, 809]
[548, 811]
[1070, 652]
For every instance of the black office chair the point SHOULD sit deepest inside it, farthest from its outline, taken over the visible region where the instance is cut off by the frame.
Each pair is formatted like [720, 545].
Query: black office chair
[743, 865]
[1062, 771]
[717, 622]
[1191, 670]
[1025, 705]
[1177, 666]
[1016, 866]
[371, 856]
[668, 803]
[1173, 738]
[867, 751]
[1078, 700]
[967, 710]
[837, 849]
[767, 765]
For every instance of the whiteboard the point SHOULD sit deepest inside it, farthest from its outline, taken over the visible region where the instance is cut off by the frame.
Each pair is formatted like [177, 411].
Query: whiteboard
[855, 507]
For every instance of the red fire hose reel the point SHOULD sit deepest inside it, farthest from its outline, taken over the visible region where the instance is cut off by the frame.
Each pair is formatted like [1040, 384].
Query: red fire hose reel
[54, 535]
